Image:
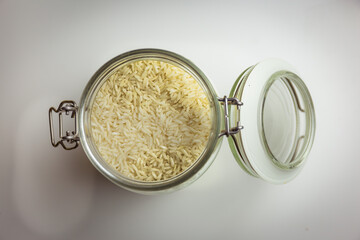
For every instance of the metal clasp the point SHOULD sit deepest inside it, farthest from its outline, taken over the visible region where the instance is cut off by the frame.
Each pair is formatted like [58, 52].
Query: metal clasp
[233, 101]
[70, 139]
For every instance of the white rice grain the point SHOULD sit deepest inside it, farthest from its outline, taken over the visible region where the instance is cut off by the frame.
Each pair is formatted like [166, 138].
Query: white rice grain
[150, 120]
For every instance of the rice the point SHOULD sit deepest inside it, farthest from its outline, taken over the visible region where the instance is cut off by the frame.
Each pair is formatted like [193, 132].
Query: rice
[150, 120]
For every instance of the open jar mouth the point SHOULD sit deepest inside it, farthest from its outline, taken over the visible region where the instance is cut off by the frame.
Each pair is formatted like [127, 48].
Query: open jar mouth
[89, 95]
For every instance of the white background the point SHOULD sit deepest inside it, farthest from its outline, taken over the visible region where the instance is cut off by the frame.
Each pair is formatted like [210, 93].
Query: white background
[50, 49]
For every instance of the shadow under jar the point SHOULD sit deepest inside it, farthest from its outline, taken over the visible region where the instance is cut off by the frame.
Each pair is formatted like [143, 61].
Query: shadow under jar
[269, 99]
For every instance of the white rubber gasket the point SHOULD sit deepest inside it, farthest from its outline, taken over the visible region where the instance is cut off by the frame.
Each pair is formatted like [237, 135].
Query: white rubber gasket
[252, 97]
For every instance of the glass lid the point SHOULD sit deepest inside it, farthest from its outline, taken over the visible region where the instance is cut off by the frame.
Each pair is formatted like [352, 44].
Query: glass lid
[278, 118]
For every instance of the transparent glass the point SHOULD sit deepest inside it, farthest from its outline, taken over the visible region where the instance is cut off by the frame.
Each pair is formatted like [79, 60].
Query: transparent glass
[179, 181]
[286, 120]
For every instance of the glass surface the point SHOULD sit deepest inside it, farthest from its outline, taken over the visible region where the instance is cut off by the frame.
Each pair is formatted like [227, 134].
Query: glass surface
[235, 141]
[285, 109]
[179, 181]
[286, 123]
[279, 122]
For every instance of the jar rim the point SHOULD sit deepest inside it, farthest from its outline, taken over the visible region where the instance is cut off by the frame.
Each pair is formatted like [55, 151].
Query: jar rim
[184, 178]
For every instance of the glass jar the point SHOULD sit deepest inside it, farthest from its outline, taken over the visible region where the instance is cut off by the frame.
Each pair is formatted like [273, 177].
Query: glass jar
[277, 115]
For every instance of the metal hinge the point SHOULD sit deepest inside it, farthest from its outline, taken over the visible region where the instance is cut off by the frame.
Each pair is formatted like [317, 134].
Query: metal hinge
[69, 140]
[232, 101]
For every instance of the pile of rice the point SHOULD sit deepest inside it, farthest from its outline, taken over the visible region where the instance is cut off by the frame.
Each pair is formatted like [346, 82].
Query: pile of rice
[150, 120]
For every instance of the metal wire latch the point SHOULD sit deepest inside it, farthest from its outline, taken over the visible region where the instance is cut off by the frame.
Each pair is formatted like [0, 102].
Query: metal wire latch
[70, 139]
[233, 101]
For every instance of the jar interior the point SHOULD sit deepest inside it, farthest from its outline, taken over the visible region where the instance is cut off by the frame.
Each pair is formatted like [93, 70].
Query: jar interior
[89, 95]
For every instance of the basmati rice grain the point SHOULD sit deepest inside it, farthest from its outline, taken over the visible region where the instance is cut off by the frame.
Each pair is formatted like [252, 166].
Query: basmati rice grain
[150, 120]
